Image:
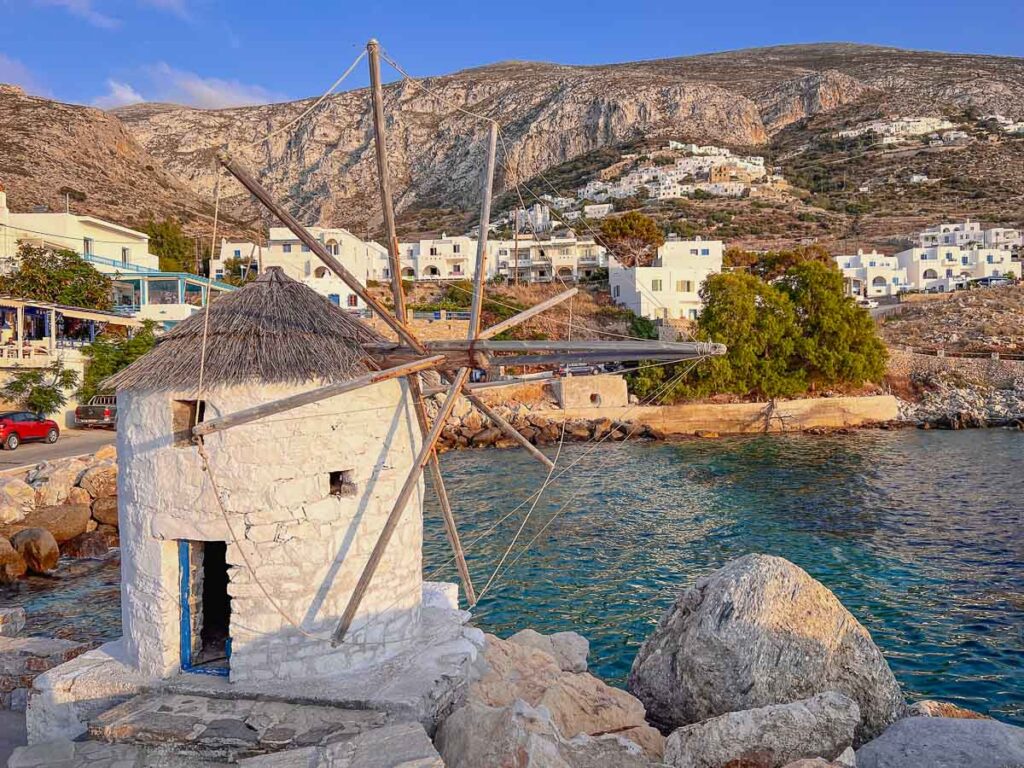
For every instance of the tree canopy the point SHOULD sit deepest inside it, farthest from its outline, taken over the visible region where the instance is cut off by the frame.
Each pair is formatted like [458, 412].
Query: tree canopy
[783, 338]
[57, 276]
[109, 354]
[633, 238]
[40, 390]
[773, 264]
[168, 241]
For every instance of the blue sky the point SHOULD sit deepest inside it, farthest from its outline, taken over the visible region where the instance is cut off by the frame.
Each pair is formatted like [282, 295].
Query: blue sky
[225, 52]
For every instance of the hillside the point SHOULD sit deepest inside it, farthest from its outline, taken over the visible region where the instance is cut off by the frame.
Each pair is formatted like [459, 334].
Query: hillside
[49, 150]
[987, 320]
[784, 102]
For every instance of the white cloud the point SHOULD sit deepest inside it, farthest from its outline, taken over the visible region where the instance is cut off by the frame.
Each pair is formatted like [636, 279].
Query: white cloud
[182, 87]
[14, 72]
[85, 9]
[118, 95]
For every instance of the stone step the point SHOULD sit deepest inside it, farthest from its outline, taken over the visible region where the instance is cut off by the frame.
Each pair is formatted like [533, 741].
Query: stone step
[96, 754]
[228, 729]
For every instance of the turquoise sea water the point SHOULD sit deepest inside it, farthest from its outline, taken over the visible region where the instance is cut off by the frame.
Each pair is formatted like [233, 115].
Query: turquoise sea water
[920, 534]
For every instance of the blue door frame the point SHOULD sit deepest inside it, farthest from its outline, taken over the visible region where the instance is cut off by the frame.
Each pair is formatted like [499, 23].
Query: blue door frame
[184, 563]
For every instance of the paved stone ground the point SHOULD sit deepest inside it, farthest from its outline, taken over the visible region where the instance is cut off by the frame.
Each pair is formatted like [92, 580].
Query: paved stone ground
[225, 729]
[12, 733]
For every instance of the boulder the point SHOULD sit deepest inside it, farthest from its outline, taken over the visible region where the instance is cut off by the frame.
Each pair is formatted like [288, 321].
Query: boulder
[931, 708]
[12, 620]
[64, 521]
[79, 496]
[87, 545]
[576, 703]
[941, 742]
[569, 649]
[12, 564]
[15, 496]
[39, 549]
[104, 510]
[767, 737]
[100, 480]
[486, 436]
[106, 453]
[846, 760]
[479, 736]
[53, 481]
[757, 632]
[110, 533]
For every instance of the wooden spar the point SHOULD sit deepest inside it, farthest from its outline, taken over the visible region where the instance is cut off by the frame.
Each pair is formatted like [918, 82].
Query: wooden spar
[411, 483]
[507, 428]
[591, 358]
[314, 245]
[481, 245]
[384, 179]
[525, 315]
[313, 396]
[395, 262]
[629, 349]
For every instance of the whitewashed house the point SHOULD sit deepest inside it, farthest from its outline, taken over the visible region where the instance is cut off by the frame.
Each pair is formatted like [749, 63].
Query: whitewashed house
[668, 289]
[443, 258]
[872, 274]
[948, 267]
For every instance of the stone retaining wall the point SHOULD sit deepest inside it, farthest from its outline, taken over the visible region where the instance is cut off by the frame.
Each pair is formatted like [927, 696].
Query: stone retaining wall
[1001, 374]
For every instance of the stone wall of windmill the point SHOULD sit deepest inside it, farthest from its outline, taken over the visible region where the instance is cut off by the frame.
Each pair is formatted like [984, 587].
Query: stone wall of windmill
[306, 492]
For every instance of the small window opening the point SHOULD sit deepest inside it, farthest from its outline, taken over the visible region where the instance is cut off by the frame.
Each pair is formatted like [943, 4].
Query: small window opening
[185, 414]
[595, 399]
[342, 483]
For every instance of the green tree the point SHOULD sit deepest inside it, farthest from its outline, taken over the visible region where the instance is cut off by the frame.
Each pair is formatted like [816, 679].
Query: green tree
[770, 265]
[109, 354]
[633, 238]
[57, 276]
[40, 390]
[838, 343]
[238, 272]
[175, 249]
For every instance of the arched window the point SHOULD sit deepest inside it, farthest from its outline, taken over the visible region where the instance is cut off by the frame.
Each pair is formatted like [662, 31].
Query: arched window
[320, 272]
[408, 272]
[878, 281]
[930, 274]
[433, 271]
[332, 247]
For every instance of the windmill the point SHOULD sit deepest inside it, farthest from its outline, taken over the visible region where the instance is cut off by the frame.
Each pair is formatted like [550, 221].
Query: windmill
[409, 356]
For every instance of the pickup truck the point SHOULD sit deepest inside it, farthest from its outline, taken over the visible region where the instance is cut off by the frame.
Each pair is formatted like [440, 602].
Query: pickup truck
[100, 411]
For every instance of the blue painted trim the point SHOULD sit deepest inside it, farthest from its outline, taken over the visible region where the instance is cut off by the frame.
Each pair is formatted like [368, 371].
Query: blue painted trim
[186, 621]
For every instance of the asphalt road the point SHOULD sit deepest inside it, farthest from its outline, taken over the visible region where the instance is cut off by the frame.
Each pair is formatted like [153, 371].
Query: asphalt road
[72, 442]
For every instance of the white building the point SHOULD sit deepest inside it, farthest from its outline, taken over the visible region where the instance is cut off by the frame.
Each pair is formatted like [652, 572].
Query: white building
[140, 289]
[597, 210]
[899, 127]
[536, 218]
[873, 274]
[443, 258]
[967, 233]
[366, 260]
[668, 289]
[947, 267]
[107, 246]
[558, 258]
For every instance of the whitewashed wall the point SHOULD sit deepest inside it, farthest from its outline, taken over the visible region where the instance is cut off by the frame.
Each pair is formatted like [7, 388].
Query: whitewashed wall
[306, 546]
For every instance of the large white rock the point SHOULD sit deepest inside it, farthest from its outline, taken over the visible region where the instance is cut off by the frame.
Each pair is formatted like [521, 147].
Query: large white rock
[757, 632]
[767, 737]
[569, 649]
[942, 742]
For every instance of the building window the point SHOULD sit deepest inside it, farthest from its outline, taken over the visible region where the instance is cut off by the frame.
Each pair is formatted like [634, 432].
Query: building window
[433, 251]
[692, 313]
[287, 247]
[334, 298]
[615, 292]
[455, 248]
[87, 246]
[125, 256]
[352, 300]
[684, 286]
[305, 248]
[186, 414]
[341, 483]
[895, 281]
[694, 252]
[218, 275]
[238, 253]
[655, 285]
[705, 251]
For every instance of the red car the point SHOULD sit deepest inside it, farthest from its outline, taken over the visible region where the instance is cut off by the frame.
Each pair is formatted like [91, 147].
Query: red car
[16, 426]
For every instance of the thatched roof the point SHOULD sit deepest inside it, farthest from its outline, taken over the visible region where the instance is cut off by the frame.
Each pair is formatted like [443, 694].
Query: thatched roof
[274, 330]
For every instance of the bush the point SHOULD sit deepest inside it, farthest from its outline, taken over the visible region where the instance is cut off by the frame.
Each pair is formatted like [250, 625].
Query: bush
[57, 276]
[109, 354]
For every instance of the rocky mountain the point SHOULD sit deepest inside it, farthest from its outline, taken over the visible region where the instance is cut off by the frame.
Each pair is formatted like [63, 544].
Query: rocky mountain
[324, 168]
[50, 150]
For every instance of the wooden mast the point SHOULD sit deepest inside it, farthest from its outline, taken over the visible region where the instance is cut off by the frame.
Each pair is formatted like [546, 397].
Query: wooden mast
[395, 260]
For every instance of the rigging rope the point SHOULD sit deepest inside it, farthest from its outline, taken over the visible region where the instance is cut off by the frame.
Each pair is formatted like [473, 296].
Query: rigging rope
[313, 106]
